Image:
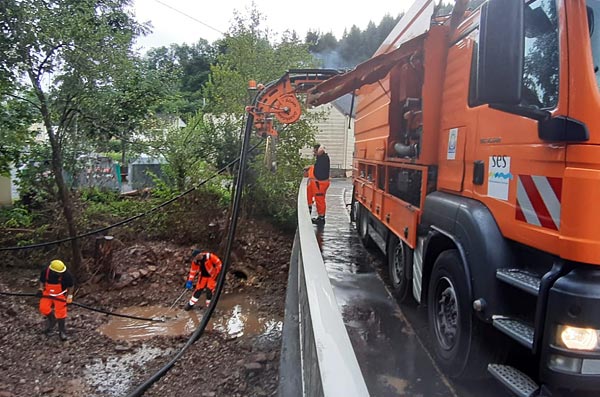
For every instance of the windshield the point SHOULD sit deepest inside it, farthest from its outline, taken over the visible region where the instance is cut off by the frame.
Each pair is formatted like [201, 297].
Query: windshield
[593, 11]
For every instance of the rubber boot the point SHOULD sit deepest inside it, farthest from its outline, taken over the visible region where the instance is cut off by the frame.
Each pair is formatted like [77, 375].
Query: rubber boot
[188, 307]
[320, 220]
[50, 321]
[310, 209]
[62, 332]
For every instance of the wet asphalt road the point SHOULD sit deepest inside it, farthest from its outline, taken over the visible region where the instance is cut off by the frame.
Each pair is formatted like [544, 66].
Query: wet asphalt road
[389, 341]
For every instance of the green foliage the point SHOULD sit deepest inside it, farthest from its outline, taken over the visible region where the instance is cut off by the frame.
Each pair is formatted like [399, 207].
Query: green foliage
[275, 193]
[15, 217]
[16, 115]
[188, 69]
[68, 52]
[35, 182]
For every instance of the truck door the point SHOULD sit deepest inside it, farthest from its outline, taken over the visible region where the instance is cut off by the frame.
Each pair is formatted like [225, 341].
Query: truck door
[454, 130]
[519, 174]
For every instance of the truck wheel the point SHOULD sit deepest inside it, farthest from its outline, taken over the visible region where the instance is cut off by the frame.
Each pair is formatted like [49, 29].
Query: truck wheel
[453, 329]
[362, 225]
[399, 262]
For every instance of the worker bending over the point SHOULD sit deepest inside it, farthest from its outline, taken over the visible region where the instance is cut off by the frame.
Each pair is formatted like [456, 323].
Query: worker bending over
[208, 266]
[321, 172]
[56, 284]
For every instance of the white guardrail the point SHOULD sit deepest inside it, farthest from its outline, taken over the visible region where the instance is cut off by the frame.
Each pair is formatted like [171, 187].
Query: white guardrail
[317, 358]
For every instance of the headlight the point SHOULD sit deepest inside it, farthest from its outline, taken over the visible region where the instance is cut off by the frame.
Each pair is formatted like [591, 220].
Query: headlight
[576, 338]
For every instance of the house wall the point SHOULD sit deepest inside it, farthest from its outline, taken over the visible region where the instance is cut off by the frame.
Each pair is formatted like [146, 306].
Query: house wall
[5, 191]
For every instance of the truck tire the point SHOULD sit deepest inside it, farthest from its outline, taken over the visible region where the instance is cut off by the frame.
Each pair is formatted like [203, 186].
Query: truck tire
[362, 225]
[454, 331]
[399, 262]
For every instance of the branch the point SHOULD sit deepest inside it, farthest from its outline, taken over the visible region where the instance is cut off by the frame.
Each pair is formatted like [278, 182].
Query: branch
[50, 53]
[37, 106]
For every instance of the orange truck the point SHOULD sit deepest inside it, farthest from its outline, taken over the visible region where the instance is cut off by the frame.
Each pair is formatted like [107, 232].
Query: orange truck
[477, 172]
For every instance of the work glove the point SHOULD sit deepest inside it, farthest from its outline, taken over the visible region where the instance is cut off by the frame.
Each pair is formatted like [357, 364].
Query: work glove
[188, 285]
[39, 293]
[69, 299]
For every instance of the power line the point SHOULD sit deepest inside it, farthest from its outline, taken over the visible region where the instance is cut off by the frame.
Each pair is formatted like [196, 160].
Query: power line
[189, 16]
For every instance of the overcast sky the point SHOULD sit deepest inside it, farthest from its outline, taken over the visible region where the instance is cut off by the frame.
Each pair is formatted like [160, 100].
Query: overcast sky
[171, 26]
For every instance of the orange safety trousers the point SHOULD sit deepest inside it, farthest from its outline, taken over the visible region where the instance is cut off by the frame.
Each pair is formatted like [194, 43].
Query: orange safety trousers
[206, 282]
[311, 188]
[59, 301]
[203, 282]
[320, 190]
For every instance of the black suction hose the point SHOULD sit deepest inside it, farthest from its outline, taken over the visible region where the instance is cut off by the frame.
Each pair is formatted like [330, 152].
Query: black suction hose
[221, 280]
[83, 306]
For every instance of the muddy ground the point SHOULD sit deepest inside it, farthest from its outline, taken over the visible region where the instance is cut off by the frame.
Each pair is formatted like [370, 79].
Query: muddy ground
[238, 356]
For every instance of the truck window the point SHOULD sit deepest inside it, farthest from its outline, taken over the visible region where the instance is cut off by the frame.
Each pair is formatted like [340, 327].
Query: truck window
[593, 11]
[540, 78]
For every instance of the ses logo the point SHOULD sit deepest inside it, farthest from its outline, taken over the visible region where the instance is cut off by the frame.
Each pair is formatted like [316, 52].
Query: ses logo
[499, 177]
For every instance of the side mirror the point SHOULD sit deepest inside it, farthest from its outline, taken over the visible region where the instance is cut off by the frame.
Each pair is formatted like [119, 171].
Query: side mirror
[501, 52]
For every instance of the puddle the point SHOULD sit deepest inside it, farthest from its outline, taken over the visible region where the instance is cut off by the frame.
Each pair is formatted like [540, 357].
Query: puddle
[236, 316]
[112, 376]
[178, 322]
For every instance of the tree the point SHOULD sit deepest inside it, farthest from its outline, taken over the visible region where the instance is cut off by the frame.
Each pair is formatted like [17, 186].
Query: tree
[189, 68]
[191, 150]
[247, 52]
[65, 50]
[126, 106]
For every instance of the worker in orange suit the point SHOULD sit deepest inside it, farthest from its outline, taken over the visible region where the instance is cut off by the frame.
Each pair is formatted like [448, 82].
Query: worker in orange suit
[321, 172]
[207, 266]
[309, 172]
[56, 284]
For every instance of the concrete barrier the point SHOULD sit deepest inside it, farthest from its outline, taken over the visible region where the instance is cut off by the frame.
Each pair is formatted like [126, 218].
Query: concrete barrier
[317, 358]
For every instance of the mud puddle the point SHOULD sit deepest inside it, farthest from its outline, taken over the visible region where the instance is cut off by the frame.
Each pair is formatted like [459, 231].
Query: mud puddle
[239, 315]
[177, 322]
[236, 315]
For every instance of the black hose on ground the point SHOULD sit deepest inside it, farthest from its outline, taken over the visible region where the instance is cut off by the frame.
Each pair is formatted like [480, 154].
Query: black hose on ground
[87, 234]
[84, 306]
[221, 279]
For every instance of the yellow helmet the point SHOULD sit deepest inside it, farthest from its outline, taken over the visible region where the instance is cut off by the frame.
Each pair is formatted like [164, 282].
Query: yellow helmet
[57, 266]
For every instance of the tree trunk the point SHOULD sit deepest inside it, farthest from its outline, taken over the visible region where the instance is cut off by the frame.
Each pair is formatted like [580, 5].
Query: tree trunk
[57, 169]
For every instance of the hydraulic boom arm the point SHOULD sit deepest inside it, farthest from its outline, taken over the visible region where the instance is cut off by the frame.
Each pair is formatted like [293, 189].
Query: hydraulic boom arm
[279, 99]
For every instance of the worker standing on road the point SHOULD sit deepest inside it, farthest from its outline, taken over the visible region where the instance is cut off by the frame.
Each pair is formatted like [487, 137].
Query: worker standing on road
[208, 266]
[321, 182]
[56, 284]
[309, 172]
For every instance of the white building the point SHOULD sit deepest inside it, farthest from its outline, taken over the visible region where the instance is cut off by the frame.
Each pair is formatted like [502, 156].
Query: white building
[336, 133]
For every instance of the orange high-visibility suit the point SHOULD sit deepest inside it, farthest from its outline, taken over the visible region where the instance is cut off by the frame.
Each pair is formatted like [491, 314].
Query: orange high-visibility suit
[321, 172]
[55, 286]
[310, 186]
[208, 266]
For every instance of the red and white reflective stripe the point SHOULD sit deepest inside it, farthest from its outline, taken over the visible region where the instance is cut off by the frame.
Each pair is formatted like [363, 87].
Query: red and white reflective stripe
[193, 300]
[539, 200]
[59, 294]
